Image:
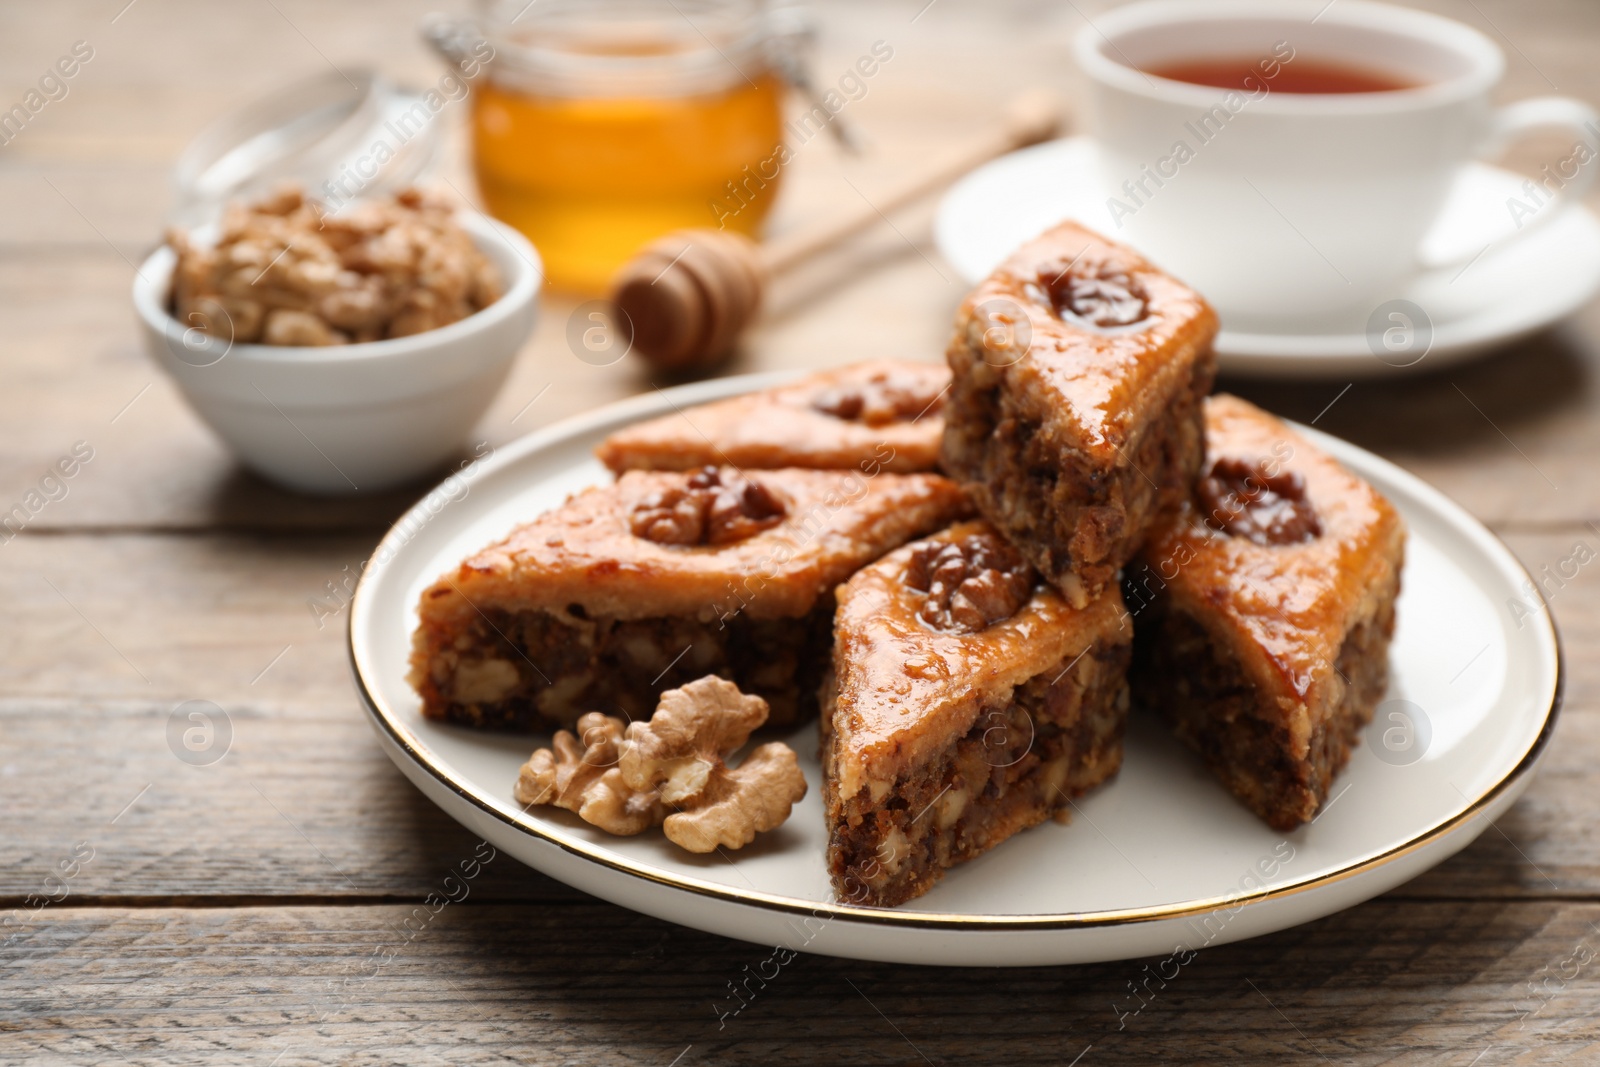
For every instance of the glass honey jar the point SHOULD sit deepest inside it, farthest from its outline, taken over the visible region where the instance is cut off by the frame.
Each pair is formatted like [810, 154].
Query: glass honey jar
[599, 125]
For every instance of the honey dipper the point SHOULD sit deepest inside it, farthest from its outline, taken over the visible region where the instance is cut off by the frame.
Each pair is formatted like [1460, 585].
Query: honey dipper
[689, 295]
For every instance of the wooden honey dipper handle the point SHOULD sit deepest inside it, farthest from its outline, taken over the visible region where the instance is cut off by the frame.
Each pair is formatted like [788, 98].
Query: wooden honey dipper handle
[688, 296]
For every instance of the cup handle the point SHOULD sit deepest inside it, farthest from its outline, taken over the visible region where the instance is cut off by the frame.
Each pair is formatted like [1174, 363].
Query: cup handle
[1542, 114]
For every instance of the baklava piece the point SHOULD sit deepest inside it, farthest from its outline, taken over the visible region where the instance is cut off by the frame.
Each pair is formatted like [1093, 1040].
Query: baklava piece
[661, 578]
[968, 701]
[881, 415]
[1074, 416]
[1264, 613]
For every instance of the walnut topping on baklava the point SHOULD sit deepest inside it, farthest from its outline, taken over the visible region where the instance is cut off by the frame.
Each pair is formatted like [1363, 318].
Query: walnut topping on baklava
[971, 583]
[1103, 296]
[1248, 500]
[896, 395]
[712, 507]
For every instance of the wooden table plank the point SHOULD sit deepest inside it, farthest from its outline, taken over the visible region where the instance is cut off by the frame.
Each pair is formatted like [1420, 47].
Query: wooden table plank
[300, 805]
[1384, 983]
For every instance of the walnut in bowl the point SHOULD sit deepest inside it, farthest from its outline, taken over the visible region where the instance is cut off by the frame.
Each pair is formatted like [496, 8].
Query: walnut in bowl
[283, 271]
[341, 417]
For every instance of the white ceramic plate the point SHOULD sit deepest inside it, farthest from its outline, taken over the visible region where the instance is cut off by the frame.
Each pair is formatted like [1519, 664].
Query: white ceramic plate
[1508, 292]
[1161, 857]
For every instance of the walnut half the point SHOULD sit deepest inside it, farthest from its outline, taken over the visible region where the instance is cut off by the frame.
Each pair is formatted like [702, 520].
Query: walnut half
[627, 782]
[971, 583]
[582, 776]
[1246, 500]
[682, 753]
[1099, 294]
[880, 400]
[711, 507]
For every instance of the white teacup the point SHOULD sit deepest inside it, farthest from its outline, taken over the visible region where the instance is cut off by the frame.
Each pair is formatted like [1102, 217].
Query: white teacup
[1292, 207]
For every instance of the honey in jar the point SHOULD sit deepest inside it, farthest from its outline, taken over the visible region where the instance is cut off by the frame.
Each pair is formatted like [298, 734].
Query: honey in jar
[604, 124]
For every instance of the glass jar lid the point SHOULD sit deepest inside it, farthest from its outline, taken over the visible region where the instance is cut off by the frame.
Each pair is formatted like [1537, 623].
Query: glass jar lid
[620, 48]
[341, 135]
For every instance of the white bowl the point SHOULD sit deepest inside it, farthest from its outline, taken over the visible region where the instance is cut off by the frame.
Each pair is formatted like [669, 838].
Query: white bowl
[349, 418]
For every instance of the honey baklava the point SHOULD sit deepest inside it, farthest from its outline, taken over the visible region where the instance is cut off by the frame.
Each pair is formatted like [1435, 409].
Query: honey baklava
[968, 701]
[661, 578]
[1074, 416]
[1263, 613]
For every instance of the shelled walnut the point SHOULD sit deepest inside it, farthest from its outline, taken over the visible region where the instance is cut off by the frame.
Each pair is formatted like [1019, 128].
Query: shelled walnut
[583, 777]
[971, 583]
[672, 771]
[712, 507]
[284, 271]
[682, 752]
[1246, 500]
[1100, 294]
[881, 400]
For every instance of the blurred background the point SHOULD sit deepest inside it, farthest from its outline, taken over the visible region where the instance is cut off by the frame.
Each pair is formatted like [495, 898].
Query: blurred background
[89, 187]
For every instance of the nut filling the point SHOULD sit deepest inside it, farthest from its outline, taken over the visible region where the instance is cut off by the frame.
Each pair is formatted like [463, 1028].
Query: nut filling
[1059, 736]
[711, 508]
[1099, 295]
[514, 670]
[1198, 685]
[971, 584]
[880, 401]
[1243, 500]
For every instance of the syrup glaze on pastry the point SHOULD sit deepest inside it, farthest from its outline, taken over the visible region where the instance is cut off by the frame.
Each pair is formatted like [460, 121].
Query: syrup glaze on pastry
[1247, 500]
[880, 415]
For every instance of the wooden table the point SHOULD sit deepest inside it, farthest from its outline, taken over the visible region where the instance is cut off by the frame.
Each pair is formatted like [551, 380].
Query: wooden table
[253, 910]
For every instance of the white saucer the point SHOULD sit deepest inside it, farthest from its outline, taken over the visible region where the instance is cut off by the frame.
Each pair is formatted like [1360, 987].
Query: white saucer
[1507, 293]
[1162, 856]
